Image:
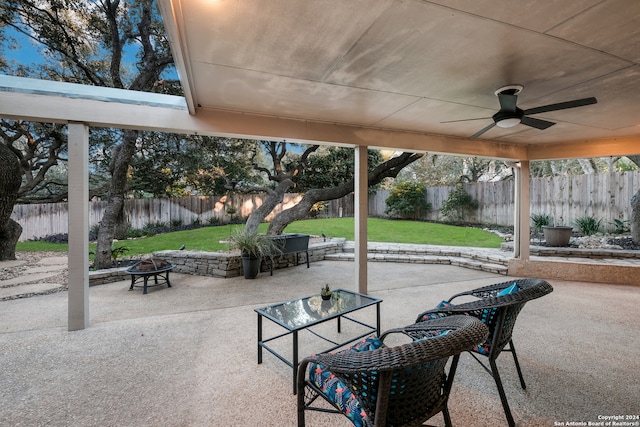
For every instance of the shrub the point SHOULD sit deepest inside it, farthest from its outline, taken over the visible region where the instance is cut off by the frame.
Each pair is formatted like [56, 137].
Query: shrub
[588, 225]
[539, 221]
[118, 251]
[53, 238]
[93, 232]
[457, 203]
[134, 233]
[214, 221]
[621, 226]
[407, 199]
[152, 228]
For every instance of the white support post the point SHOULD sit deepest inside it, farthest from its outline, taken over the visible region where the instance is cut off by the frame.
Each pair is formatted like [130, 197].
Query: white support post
[522, 225]
[78, 255]
[361, 213]
[516, 211]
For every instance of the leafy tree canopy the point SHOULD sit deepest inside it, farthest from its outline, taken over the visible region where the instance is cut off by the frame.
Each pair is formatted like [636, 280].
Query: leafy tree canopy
[328, 166]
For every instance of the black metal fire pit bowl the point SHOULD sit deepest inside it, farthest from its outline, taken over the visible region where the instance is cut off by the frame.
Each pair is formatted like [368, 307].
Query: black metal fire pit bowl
[151, 267]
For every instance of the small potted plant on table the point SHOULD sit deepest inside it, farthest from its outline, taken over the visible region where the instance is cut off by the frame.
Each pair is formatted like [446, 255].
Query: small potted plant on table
[325, 292]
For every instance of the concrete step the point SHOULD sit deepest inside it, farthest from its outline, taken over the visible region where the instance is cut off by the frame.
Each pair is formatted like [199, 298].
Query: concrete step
[28, 278]
[25, 290]
[499, 267]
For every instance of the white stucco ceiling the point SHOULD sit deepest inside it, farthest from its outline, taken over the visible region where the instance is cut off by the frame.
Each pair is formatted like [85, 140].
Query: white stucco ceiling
[409, 65]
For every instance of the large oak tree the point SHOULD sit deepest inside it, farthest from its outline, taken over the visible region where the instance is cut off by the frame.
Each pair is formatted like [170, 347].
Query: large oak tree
[320, 176]
[108, 43]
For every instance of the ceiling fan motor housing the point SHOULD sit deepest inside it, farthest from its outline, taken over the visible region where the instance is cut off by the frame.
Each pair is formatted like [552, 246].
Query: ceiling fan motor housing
[507, 119]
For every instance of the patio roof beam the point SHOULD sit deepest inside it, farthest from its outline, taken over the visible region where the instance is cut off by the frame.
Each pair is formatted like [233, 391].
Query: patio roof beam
[583, 149]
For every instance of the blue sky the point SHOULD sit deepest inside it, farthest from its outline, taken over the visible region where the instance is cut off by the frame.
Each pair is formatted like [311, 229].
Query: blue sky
[29, 53]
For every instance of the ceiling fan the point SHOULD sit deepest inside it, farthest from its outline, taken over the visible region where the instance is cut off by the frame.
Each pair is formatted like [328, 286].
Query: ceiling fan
[510, 115]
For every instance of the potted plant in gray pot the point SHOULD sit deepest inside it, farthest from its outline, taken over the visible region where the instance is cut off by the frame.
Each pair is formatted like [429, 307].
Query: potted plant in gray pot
[557, 235]
[253, 248]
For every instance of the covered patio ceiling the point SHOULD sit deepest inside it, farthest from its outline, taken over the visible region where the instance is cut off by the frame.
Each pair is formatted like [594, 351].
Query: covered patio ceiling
[368, 73]
[388, 73]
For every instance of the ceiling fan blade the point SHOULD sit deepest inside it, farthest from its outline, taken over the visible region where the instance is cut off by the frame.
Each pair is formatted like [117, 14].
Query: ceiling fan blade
[536, 123]
[561, 106]
[466, 120]
[507, 102]
[480, 132]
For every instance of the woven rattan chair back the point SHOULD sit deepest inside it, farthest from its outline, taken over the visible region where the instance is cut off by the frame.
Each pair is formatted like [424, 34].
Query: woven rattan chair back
[499, 313]
[403, 385]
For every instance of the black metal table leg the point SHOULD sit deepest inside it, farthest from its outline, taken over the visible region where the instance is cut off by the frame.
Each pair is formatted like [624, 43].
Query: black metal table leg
[295, 361]
[259, 339]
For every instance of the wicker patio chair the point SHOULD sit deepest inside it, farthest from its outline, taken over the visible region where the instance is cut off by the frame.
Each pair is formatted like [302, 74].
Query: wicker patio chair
[376, 385]
[498, 307]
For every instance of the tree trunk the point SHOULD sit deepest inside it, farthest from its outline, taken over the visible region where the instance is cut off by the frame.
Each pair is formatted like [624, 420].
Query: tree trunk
[301, 209]
[114, 212]
[10, 181]
[635, 208]
[273, 198]
[635, 218]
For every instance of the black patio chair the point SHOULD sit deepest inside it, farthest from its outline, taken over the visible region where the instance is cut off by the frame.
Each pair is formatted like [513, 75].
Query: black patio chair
[498, 307]
[403, 385]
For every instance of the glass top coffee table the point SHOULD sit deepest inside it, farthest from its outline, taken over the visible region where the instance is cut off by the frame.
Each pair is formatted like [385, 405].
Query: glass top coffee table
[301, 314]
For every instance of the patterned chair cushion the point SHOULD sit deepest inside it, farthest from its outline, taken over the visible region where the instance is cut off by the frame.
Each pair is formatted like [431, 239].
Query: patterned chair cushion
[435, 314]
[336, 391]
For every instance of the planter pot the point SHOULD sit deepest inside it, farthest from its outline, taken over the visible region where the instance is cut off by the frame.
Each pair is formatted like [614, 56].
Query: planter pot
[557, 236]
[250, 266]
[326, 297]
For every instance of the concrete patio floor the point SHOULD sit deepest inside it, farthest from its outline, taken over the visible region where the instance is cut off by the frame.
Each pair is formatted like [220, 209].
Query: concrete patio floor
[186, 356]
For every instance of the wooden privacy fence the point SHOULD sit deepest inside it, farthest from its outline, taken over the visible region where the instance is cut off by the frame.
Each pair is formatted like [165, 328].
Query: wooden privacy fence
[605, 196]
[40, 220]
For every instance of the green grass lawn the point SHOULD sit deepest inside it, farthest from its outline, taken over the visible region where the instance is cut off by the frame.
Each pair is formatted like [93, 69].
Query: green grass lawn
[379, 230]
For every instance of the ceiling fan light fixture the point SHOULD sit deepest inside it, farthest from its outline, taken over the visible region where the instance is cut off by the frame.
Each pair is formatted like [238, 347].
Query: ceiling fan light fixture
[508, 123]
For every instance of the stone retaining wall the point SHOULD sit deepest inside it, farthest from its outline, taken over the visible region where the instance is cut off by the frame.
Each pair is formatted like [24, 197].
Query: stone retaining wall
[108, 275]
[219, 264]
[225, 264]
